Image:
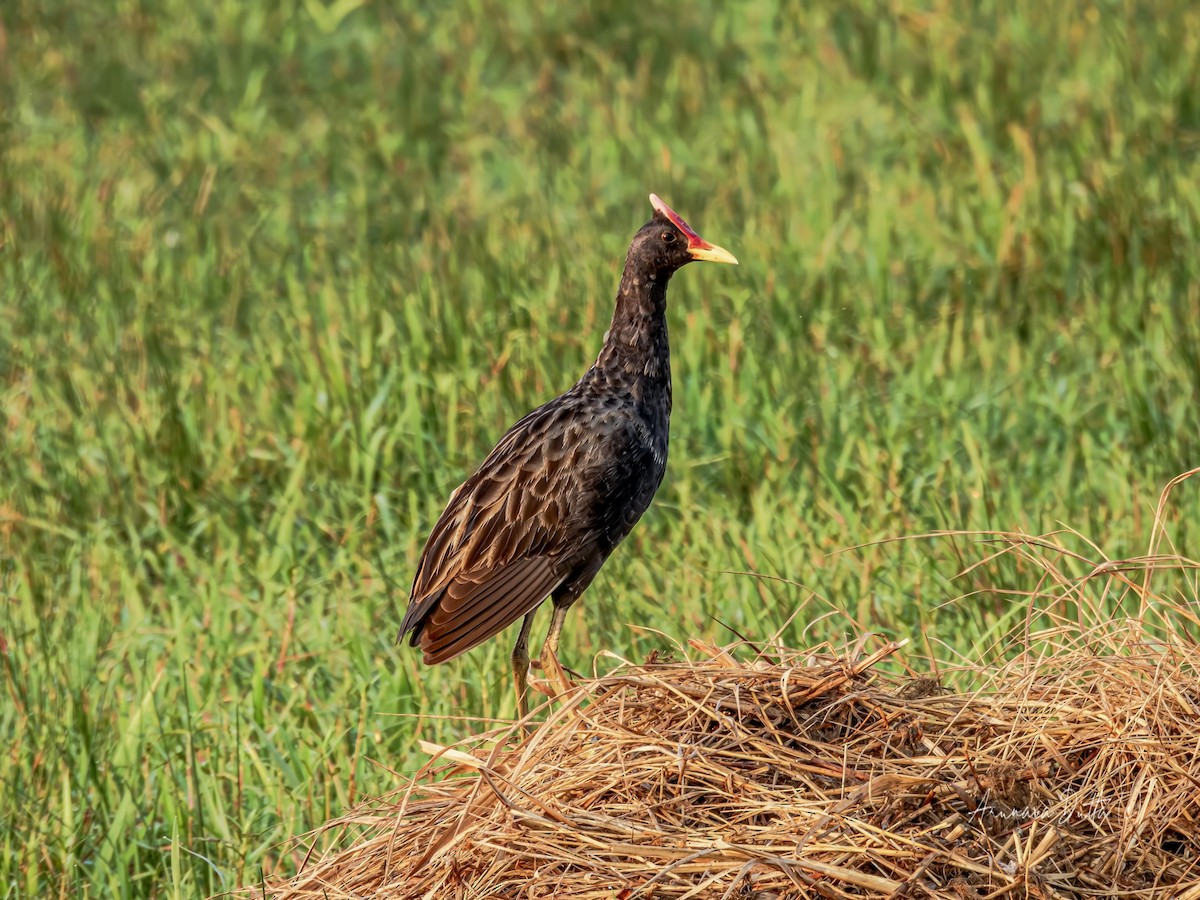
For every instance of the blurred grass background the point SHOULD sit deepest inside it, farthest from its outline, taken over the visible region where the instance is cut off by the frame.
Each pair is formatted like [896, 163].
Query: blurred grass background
[276, 276]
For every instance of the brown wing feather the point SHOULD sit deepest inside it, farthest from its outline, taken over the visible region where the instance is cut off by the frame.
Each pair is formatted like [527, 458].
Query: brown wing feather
[487, 608]
[497, 550]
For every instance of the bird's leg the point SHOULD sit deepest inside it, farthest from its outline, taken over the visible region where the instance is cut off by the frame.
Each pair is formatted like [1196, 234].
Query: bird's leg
[520, 668]
[550, 664]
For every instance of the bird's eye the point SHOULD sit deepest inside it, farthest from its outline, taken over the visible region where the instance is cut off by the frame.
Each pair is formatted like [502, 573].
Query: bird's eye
[668, 236]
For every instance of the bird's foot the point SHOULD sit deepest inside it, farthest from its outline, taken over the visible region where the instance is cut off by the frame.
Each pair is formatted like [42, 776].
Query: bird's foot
[557, 682]
[537, 664]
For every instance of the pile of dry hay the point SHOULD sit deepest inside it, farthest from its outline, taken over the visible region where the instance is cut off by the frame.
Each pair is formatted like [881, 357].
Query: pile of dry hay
[1070, 771]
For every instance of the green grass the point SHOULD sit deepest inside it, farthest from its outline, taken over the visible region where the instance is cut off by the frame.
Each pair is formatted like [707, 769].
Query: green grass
[276, 276]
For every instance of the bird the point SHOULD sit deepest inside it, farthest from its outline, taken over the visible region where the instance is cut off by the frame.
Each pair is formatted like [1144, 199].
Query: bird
[565, 484]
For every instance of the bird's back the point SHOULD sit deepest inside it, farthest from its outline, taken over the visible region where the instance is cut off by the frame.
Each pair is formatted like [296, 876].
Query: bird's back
[560, 490]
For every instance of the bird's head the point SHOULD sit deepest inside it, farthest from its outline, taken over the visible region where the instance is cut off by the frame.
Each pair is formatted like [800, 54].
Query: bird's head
[667, 242]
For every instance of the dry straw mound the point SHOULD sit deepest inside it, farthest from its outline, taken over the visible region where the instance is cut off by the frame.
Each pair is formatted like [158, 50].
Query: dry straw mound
[1072, 770]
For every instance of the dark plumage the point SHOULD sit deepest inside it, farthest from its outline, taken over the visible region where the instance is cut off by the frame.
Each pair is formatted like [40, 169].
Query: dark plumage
[566, 483]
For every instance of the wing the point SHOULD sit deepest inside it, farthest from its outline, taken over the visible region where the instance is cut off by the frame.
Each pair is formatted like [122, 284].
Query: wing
[506, 538]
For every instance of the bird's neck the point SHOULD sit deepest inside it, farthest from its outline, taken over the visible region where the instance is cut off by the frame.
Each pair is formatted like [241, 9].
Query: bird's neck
[636, 342]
